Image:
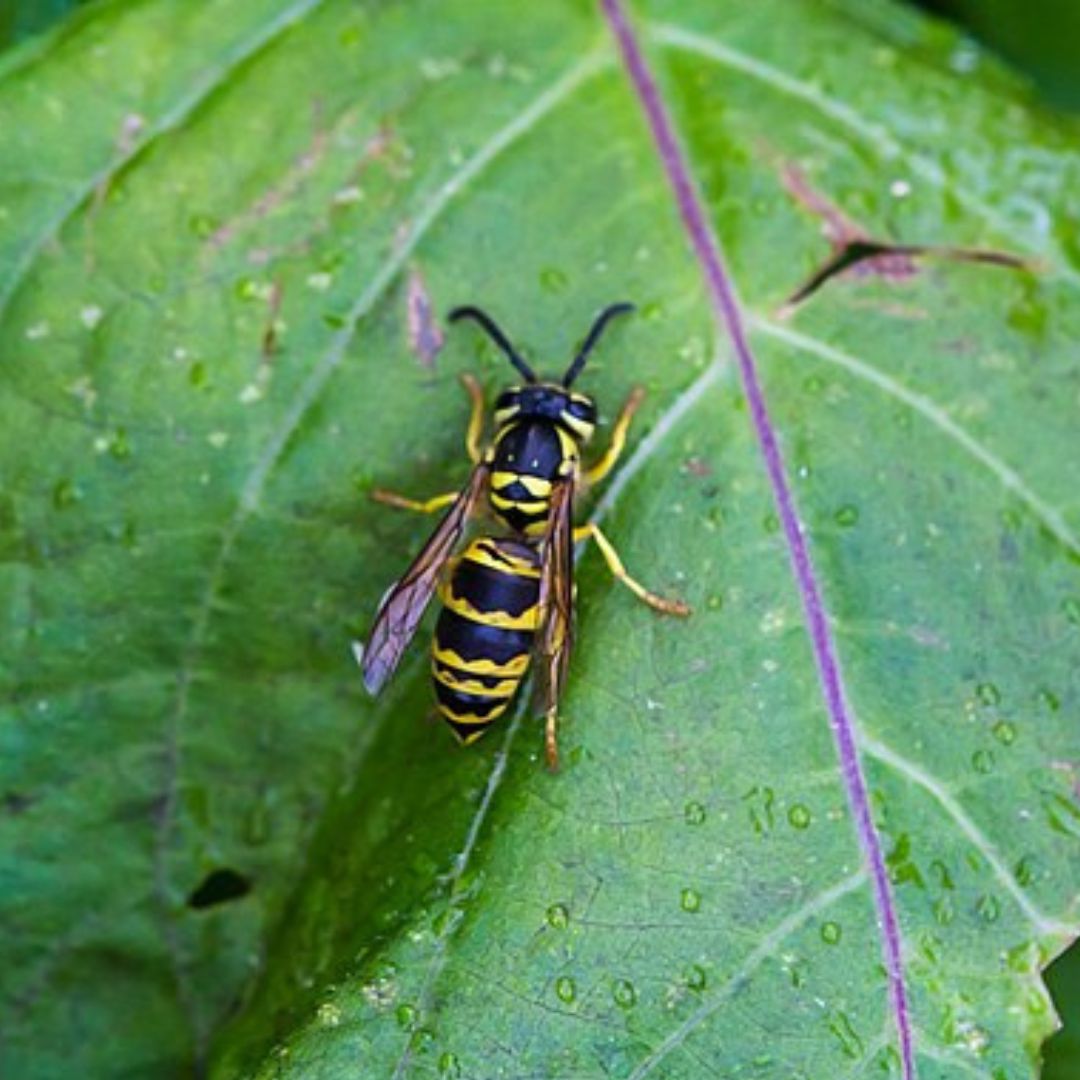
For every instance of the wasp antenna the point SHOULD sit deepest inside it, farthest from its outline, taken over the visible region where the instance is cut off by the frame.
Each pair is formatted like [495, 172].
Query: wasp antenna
[605, 316]
[496, 335]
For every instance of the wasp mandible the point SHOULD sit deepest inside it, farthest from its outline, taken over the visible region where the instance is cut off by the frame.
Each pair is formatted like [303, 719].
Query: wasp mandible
[507, 598]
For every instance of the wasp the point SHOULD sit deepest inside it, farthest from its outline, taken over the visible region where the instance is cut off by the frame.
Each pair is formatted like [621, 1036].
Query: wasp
[507, 599]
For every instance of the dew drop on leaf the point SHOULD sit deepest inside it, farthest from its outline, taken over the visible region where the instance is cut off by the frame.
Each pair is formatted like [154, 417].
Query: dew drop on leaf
[988, 907]
[202, 225]
[1005, 732]
[987, 694]
[943, 911]
[695, 977]
[846, 516]
[449, 1065]
[850, 1043]
[405, 1015]
[624, 993]
[831, 933]
[565, 989]
[65, 494]
[1048, 699]
[1024, 871]
[558, 916]
[553, 280]
[690, 900]
[328, 1014]
[982, 761]
[694, 813]
[799, 817]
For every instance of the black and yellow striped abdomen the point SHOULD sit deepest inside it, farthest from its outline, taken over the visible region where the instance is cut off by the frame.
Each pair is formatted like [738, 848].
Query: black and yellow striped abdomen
[484, 635]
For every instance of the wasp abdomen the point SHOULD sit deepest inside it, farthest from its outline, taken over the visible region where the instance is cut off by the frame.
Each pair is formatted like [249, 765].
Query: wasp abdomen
[484, 635]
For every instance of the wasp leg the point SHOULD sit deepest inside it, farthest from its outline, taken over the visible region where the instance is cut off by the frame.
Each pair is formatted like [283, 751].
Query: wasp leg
[615, 565]
[598, 471]
[429, 506]
[551, 746]
[476, 418]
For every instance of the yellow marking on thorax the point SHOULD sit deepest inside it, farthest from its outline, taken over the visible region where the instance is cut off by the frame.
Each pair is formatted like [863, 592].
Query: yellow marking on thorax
[481, 666]
[501, 503]
[534, 485]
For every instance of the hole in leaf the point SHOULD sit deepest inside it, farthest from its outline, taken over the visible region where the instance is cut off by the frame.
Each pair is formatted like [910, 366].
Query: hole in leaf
[1061, 1052]
[219, 887]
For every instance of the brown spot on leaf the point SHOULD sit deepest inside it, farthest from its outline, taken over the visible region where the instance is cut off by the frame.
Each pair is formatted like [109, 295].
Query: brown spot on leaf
[698, 467]
[425, 336]
[280, 192]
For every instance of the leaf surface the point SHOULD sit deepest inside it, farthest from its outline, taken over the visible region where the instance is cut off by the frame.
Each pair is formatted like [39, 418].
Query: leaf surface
[213, 225]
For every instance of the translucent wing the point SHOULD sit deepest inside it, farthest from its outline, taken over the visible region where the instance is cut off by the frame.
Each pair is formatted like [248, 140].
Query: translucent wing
[403, 606]
[556, 632]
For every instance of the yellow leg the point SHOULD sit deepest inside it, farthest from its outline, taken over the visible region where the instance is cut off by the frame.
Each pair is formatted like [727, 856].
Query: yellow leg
[551, 747]
[476, 418]
[392, 498]
[615, 565]
[618, 438]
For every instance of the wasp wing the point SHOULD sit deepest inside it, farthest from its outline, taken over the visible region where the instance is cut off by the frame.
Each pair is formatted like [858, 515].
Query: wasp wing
[556, 631]
[403, 606]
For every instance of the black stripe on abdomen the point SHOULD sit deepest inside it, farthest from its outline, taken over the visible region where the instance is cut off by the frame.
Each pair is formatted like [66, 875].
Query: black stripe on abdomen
[456, 704]
[489, 590]
[478, 641]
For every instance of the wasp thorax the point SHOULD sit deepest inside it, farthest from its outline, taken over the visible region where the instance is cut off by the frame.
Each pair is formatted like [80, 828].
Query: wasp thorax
[576, 413]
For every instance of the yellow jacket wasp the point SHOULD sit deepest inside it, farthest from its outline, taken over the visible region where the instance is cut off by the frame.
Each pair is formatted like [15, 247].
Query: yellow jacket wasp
[506, 598]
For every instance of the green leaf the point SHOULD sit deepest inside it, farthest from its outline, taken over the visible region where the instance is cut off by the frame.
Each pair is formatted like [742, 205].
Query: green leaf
[212, 218]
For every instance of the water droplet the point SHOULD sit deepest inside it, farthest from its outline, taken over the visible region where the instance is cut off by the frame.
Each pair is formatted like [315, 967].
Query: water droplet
[715, 602]
[65, 494]
[405, 1015]
[770, 523]
[690, 900]
[987, 693]
[846, 516]
[1048, 699]
[1070, 608]
[202, 225]
[449, 1065]
[799, 817]
[695, 977]
[565, 990]
[558, 916]
[553, 280]
[1024, 870]
[198, 375]
[119, 447]
[988, 907]
[1005, 733]
[328, 1014]
[694, 813]
[840, 1025]
[247, 289]
[652, 311]
[624, 993]
[831, 933]
[982, 761]
[943, 911]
